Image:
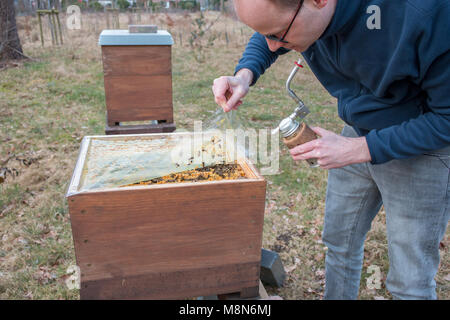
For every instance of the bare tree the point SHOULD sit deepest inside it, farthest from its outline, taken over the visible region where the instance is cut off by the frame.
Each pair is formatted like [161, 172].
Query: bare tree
[10, 47]
[21, 6]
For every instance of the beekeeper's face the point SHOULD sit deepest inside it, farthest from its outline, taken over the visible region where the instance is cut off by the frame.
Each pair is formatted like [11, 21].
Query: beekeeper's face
[291, 27]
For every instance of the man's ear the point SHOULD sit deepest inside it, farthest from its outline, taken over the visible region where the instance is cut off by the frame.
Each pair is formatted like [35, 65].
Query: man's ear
[319, 4]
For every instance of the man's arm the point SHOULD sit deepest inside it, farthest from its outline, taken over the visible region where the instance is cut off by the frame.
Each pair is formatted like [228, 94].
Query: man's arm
[257, 56]
[230, 90]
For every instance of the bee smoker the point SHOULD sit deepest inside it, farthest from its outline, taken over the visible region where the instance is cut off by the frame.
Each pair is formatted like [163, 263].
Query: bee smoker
[293, 128]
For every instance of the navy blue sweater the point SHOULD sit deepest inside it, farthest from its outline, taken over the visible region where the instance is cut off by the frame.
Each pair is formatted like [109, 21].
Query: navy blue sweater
[393, 83]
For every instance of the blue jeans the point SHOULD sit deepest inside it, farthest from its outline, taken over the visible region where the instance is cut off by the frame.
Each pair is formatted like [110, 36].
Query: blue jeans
[416, 197]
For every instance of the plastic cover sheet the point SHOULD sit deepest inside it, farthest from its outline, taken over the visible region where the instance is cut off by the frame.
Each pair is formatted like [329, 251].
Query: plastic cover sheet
[117, 161]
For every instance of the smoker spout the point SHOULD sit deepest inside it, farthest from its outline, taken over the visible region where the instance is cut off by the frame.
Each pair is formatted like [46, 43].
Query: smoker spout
[289, 80]
[301, 109]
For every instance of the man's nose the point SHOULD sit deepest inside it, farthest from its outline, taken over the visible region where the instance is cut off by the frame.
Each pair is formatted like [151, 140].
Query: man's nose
[274, 45]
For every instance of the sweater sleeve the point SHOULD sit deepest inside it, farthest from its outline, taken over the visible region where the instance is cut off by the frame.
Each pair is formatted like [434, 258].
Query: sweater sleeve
[257, 56]
[431, 130]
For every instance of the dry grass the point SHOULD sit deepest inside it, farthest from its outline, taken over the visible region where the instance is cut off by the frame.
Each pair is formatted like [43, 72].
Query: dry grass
[48, 105]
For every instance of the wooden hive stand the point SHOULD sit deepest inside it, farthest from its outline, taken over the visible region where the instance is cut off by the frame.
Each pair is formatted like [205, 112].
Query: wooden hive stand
[137, 65]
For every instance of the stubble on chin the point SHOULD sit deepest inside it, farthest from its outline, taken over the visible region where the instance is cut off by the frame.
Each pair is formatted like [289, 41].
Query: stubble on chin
[299, 49]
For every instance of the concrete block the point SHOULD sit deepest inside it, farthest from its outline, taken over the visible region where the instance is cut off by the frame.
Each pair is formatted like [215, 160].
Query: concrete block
[272, 270]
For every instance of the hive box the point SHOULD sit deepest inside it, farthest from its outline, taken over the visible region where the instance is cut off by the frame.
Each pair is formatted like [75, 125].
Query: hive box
[138, 81]
[165, 241]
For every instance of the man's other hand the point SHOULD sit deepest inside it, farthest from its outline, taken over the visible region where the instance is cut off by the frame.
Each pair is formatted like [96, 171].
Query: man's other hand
[332, 150]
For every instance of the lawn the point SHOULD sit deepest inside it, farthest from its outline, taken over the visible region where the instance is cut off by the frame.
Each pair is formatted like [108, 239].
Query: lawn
[49, 103]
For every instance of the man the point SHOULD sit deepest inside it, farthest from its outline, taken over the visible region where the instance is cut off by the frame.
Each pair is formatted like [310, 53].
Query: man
[387, 62]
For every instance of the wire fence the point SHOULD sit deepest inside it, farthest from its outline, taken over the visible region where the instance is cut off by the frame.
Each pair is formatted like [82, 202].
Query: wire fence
[29, 7]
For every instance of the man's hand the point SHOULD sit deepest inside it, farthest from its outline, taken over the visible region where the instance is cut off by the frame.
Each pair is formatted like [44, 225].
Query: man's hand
[332, 150]
[233, 87]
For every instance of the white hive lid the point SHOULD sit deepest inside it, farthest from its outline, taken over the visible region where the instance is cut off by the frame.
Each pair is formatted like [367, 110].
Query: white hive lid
[125, 38]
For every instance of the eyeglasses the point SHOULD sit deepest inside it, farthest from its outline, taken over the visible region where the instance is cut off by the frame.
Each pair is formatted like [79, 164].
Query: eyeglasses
[275, 38]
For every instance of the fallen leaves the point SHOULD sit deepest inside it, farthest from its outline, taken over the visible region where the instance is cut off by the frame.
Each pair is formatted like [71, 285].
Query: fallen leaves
[9, 64]
[44, 275]
[320, 274]
[270, 206]
[4, 172]
[292, 267]
[16, 162]
[22, 240]
[319, 257]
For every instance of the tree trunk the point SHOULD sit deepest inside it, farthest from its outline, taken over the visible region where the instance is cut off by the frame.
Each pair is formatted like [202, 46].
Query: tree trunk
[21, 6]
[10, 47]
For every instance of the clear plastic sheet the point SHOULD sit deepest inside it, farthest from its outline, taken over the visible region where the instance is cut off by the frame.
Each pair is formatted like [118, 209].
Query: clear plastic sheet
[118, 161]
[239, 140]
[223, 121]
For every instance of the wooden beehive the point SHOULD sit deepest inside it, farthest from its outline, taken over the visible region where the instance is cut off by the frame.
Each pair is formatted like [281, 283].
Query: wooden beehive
[138, 81]
[167, 241]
